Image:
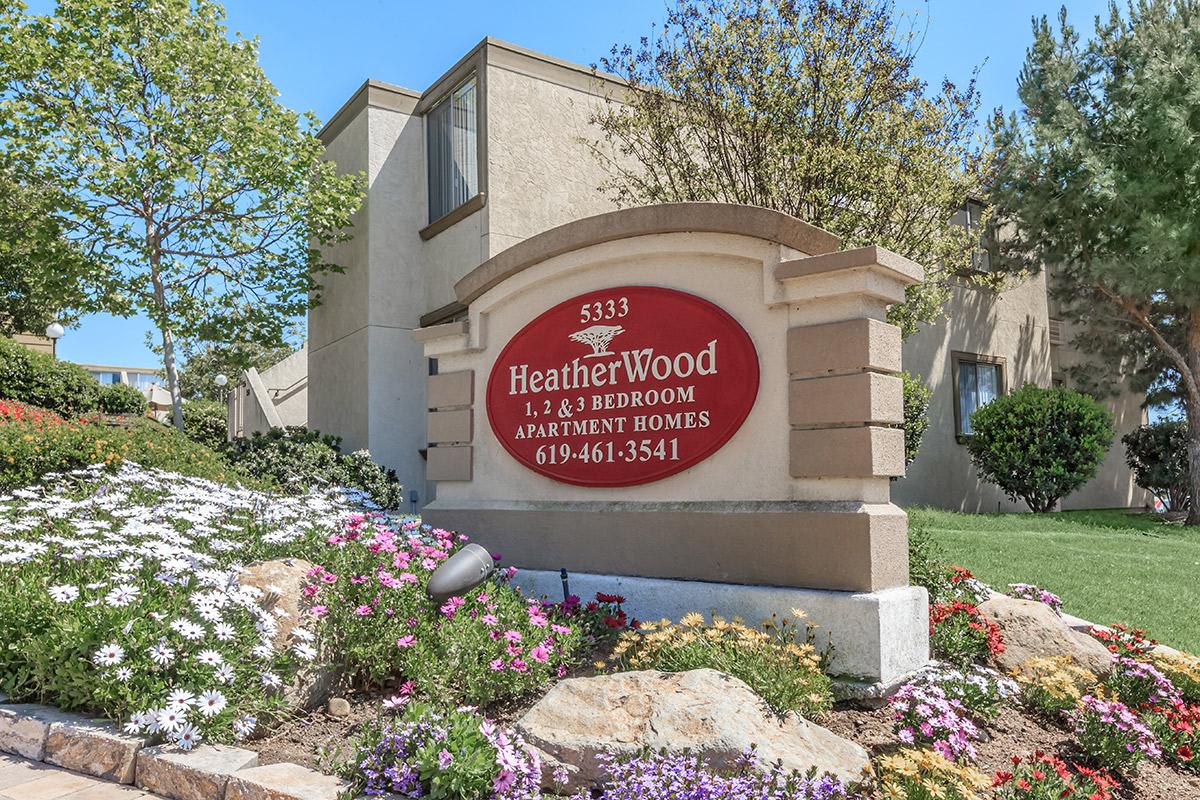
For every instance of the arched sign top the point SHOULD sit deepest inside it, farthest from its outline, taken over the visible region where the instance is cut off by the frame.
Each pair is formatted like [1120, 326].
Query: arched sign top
[622, 386]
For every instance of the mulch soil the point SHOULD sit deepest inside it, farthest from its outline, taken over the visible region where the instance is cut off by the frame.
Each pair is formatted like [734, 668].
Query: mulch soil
[317, 740]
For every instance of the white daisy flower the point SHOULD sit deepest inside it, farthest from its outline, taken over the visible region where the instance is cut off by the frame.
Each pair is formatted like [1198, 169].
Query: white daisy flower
[188, 630]
[210, 658]
[304, 635]
[123, 674]
[271, 680]
[109, 655]
[134, 726]
[188, 737]
[64, 593]
[304, 652]
[224, 674]
[243, 726]
[122, 595]
[212, 703]
[224, 631]
[171, 719]
[161, 654]
[263, 650]
[181, 699]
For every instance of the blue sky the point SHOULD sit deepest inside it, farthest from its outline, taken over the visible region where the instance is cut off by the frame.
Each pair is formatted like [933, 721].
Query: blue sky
[318, 52]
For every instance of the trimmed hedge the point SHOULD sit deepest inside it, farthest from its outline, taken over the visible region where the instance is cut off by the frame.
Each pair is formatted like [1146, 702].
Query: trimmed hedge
[1040, 444]
[295, 458]
[44, 381]
[121, 398]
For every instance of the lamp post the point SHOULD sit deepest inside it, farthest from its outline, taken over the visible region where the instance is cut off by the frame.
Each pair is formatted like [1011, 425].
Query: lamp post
[54, 332]
[220, 381]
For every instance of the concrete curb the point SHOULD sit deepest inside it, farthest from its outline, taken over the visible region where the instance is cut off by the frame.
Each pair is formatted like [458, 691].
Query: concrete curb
[98, 748]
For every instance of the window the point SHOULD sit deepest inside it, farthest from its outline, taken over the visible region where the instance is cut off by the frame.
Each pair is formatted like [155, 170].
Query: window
[143, 380]
[452, 147]
[970, 217]
[978, 380]
[106, 378]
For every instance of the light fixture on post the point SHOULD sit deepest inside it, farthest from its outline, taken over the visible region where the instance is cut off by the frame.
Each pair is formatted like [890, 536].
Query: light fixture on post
[220, 381]
[460, 573]
[54, 332]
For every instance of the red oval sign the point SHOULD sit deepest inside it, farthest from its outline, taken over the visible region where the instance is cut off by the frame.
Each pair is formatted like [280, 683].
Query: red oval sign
[622, 386]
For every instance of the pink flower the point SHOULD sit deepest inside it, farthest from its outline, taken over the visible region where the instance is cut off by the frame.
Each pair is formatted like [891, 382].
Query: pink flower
[561, 672]
[561, 630]
[483, 597]
[329, 577]
[496, 664]
[451, 606]
[406, 641]
[318, 611]
[517, 665]
[445, 759]
[310, 591]
[540, 653]
[537, 618]
[489, 620]
[512, 636]
[363, 611]
[359, 579]
[407, 577]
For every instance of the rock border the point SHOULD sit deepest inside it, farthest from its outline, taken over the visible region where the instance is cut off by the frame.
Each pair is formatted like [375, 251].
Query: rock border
[208, 772]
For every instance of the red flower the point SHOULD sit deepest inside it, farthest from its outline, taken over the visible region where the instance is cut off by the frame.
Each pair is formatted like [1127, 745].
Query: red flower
[610, 598]
[1001, 778]
[1184, 752]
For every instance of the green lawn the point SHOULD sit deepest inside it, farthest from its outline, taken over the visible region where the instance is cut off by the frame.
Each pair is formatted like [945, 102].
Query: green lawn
[1108, 566]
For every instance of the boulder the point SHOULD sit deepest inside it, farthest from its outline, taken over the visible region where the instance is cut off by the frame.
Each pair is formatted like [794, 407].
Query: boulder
[281, 582]
[703, 711]
[1032, 630]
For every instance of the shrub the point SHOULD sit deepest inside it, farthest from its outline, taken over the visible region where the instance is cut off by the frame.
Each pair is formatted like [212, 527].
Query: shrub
[1053, 685]
[785, 674]
[295, 458]
[1027, 591]
[926, 561]
[1113, 735]
[126, 603]
[1040, 445]
[662, 775]
[916, 414]
[1044, 776]
[927, 775]
[446, 755]
[206, 422]
[121, 398]
[925, 716]
[1158, 455]
[1136, 684]
[34, 443]
[366, 596]
[1178, 730]
[42, 380]
[981, 691]
[959, 634]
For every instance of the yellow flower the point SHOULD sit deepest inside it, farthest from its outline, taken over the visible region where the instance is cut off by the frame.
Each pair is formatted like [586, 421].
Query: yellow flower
[692, 620]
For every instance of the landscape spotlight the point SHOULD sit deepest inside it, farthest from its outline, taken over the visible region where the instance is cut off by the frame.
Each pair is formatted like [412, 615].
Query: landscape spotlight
[460, 573]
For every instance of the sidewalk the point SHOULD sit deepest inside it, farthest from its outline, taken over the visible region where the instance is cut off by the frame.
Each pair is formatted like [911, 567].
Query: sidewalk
[21, 779]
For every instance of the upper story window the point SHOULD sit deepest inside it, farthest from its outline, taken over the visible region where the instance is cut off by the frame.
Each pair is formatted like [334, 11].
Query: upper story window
[978, 380]
[970, 217]
[452, 149]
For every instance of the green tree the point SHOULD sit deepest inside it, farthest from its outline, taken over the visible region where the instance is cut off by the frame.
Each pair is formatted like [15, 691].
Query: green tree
[203, 195]
[1096, 180]
[809, 107]
[44, 277]
[204, 362]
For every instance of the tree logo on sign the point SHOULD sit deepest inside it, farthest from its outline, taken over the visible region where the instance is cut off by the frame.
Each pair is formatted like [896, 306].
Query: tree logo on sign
[598, 337]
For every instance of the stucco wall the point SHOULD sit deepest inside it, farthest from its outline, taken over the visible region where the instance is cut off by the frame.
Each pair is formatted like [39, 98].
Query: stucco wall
[287, 384]
[1011, 325]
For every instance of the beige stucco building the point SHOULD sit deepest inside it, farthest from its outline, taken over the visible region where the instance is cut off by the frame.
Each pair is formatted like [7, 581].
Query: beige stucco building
[495, 152]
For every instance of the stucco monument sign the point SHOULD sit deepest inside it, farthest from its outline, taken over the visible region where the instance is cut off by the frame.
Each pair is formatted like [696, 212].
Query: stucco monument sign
[695, 405]
[622, 386]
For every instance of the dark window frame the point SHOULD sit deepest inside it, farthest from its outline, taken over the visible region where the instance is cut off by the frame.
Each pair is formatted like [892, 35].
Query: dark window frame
[957, 358]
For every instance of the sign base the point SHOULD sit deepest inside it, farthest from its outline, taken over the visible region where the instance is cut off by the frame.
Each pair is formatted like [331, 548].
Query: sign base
[878, 637]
